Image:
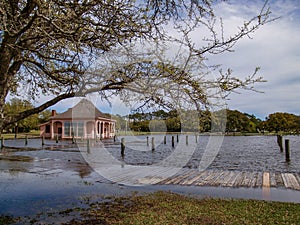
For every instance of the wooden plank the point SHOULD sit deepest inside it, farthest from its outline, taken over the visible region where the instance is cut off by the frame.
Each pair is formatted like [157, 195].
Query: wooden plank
[239, 179]
[165, 181]
[229, 180]
[204, 178]
[259, 180]
[290, 181]
[279, 180]
[173, 178]
[149, 180]
[285, 181]
[187, 178]
[297, 175]
[220, 178]
[198, 178]
[254, 179]
[273, 182]
[246, 182]
[187, 181]
[266, 179]
[182, 177]
[209, 180]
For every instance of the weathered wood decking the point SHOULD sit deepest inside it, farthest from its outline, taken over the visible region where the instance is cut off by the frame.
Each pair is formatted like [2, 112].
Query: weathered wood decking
[229, 179]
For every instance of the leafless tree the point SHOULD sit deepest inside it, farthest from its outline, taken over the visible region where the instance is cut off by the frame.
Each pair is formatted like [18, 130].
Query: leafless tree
[48, 47]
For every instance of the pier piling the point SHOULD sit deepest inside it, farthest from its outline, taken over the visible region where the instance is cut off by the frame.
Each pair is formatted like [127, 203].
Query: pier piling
[153, 144]
[122, 147]
[287, 150]
[173, 141]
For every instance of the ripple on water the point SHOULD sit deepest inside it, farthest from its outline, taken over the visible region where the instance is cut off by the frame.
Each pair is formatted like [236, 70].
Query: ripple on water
[243, 153]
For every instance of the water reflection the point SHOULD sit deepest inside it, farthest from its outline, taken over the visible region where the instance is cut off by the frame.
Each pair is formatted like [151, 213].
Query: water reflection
[45, 162]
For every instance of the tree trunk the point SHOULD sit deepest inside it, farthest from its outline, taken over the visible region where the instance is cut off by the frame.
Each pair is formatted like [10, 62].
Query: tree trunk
[9, 66]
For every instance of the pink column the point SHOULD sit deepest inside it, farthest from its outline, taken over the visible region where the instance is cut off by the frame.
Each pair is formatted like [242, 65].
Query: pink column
[102, 129]
[84, 130]
[52, 130]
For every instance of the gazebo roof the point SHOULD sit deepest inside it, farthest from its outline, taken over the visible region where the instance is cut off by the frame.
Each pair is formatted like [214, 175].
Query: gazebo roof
[85, 109]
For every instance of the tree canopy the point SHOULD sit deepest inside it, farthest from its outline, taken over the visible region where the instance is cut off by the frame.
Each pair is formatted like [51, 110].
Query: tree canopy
[16, 106]
[236, 122]
[284, 122]
[47, 47]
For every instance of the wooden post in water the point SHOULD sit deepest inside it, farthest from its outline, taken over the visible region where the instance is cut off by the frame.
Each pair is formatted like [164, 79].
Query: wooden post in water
[177, 138]
[73, 138]
[196, 138]
[287, 150]
[152, 144]
[26, 139]
[2, 143]
[114, 138]
[88, 147]
[122, 147]
[165, 139]
[43, 140]
[56, 138]
[187, 139]
[173, 141]
[279, 141]
[147, 141]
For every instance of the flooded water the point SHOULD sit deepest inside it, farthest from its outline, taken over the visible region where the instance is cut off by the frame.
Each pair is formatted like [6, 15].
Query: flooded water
[45, 179]
[243, 153]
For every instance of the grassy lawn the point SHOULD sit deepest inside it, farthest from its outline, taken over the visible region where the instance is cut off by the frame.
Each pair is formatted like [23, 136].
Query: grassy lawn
[32, 133]
[168, 208]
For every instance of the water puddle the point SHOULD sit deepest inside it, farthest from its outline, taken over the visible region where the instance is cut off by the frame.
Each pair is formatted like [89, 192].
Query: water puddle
[41, 180]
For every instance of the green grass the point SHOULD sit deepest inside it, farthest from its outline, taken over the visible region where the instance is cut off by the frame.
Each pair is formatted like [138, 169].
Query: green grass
[32, 133]
[162, 208]
[167, 208]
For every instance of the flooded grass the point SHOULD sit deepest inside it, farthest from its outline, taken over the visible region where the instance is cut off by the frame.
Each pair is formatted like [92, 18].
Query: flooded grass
[54, 184]
[7, 220]
[169, 208]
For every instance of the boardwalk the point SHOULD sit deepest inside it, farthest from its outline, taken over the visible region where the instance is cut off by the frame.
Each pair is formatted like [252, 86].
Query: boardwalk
[229, 179]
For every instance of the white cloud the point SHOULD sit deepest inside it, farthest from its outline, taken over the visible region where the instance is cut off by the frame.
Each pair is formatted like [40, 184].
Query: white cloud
[276, 49]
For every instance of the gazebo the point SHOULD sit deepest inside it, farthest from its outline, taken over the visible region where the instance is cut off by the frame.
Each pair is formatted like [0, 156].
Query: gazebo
[84, 120]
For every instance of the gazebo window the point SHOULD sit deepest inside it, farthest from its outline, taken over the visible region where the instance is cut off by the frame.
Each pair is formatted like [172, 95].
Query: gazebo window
[47, 129]
[80, 129]
[67, 126]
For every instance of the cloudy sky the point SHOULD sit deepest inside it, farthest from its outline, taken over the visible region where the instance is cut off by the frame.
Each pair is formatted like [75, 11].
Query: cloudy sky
[275, 48]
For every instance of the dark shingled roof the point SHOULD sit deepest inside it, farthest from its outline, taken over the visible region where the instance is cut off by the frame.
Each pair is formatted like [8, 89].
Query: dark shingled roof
[83, 110]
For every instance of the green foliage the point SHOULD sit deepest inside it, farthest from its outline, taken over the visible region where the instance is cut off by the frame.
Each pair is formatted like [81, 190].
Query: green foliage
[120, 122]
[284, 122]
[173, 124]
[13, 108]
[44, 116]
[236, 121]
[241, 122]
[16, 106]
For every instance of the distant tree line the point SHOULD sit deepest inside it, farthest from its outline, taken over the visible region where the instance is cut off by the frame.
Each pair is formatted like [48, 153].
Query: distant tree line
[236, 121]
[171, 121]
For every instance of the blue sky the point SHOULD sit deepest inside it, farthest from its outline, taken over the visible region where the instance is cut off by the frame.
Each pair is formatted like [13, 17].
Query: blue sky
[275, 48]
